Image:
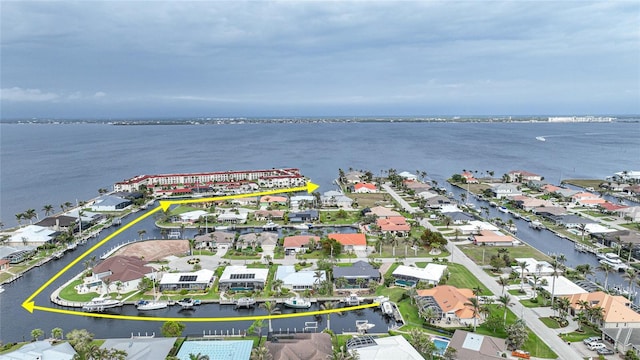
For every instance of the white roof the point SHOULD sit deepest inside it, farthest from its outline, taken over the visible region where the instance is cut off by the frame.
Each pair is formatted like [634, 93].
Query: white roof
[232, 216]
[433, 272]
[288, 274]
[202, 277]
[259, 274]
[392, 347]
[427, 194]
[448, 208]
[303, 198]
[475, 225]
[597, 229]
[564, 286]
[192, 215]
[532, 266]
[408, 175]
[42, 350]
[33, 234]
[142, 348]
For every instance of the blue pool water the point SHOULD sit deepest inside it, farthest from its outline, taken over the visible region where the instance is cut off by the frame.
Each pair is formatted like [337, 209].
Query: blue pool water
[441, 343]
[217, 349]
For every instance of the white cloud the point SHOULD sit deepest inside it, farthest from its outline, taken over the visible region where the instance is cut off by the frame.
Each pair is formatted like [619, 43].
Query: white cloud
[18, 94]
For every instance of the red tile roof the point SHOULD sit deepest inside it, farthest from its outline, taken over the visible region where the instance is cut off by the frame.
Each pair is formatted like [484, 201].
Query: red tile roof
[349, 239]
[299, 240]
[123, 268]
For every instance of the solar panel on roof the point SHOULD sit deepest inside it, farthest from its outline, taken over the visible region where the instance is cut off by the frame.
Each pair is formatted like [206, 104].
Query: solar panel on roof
[188, 278]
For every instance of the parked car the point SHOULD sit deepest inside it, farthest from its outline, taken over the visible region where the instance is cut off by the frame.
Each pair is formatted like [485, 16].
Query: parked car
[589, 340]
[605, 351]
[595, 345]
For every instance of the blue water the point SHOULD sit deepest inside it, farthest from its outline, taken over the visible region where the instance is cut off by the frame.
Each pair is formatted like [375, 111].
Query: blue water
[53, 164]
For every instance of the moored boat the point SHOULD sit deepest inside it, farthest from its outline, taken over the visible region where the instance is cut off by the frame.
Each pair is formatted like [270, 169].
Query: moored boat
[100, 304]
[145, 305]
[612, 260]
[297, 303]
[503, 209]
[245, 302]
[186, 303]
[353, 300]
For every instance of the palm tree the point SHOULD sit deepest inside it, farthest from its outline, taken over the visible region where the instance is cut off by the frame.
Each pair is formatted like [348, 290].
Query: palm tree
[585, 270]
[276, 285]
[429, 314]
[19, 218]
[341, 353]
[631, 274]
[48, 210]
[503, 281]
[272, 309]
[329, 305]
[563, 307]
[317, 276]
[476, 307]
[56, 333]
[36, 333]
[342, 283]
[198, 356]
[256, 328]
[523, 268]
[505, 301]
[606, 268]
[261, 353]
[30, 214]
[556, 267]
[192, 244]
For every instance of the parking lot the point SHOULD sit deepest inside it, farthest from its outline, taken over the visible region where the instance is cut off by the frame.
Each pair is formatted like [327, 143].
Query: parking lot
[584, 351]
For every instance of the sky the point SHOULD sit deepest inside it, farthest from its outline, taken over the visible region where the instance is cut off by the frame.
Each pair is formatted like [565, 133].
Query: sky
[122, 59]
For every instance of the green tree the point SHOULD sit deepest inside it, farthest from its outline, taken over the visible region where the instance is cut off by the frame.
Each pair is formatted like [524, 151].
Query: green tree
[48, 210]
[272, 309]
[80, 340]
[56, 333]
[260, 353]
[329, 305]
[505, 302]
[516, 334]
[172, 329]
[606, 269]
[36, 334]
[198, 356]
[503, 281]
[256, 328]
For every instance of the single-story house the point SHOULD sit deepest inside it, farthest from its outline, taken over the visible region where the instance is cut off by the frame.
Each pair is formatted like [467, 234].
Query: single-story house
[232, 217]
[522, 176]
[191, 217]
[42, 349]
[505, 190]
[528, 203]
[549, 212]
[58, 223]
[351, 242]
[243, 278]
[299, 280]
[474, 346]
[408, 176]
[359, 270]
[197, 280]
[4, 264]
[299, 346]
[459, 217]
[475, 226]
[215, 240]
[538, 267]
[304, 216]
[273, 200]
[16, 254]
[216, 349]
[632, 212]
[619, 237]
[299, 243]
[263, 215]
[617, 310]
[247, 201]
[298, 200]
[571, 221]
[110, 203]
[583, 196]
[563, 286]
[469, 178]
[493, 238]
[396, 225]
[353, 177]
[126, 270]
[336, 198]
[592, 203]
[32, 235]
[266, 240]
[566, 193]
[426, 194]
[141, 347]
[383, 212]
[365, 188]
[448, 302]
[384, 348]
[411, 275]
[438, 202]
[417, 186]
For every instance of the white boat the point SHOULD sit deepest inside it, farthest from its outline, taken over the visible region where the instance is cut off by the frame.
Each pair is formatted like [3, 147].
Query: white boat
[387, 308]
[270, 226]
[513, 228]
[219, 228]
[613, 260]
[353, 300]
[364, 325]
[540, 138]
[297, 303]
[1, 289]
[245, 302]
[144, 305]
[100, 304]
[188, 303]
[503, 209]
[301, 227]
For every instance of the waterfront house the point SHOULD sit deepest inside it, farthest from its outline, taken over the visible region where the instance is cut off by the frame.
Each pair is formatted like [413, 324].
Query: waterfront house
[268, 215]
[138, 348]
[216, 349]
[493, 238]
[411, 275]
[408, 176]
[237, 216]
[505, 190]
[350, 242]
[298, 201]
[566, 193]
[266, 240]
[474, 346]
[626, 176]
[577, 197]
[563, 286]
[191, 217]
[239, 277]
[618, 238]
[359, 270]
[299, 243]
[353, 177]
[272, 200]
[383, 348]
[31, 235]
[17, 254]
[311, 346]
[476, 226]
[522, 176]
[538, 267]
[4, 264]
[549, 212]
[396, 225]
[198, 280]
[449, 303]
[416, 186]
[571, 221]
[58, 223]
[438, 201]
[469, 178]
[426, 194]
[299, 280]
[616, 309]
[631, 212]
[527, 203]
[304, 216]
[459, 217]
[336, 199]
[42, 350]
[365, 188]
[248, 201]
[215, 240]
[633, 190]
[110, 203]
[128, 271]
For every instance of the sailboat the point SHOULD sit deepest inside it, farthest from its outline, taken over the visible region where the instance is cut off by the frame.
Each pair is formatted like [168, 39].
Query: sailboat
[144, 305]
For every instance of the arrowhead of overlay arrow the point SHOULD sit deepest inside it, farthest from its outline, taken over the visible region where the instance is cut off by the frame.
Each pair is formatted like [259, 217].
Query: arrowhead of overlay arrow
[29, 305]
[311, 187]
[165, 205]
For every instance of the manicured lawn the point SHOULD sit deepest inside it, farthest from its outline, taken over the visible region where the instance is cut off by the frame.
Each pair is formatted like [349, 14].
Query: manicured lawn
[540, 303]
[404, 251]
[331, 217]
[181, 209]
[524, 251]
[461, 277]
[551, 323]
[393, 293]
[579, 336]
[515, 292]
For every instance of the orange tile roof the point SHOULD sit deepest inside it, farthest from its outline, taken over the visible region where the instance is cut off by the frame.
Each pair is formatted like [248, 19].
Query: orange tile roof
[273, 199]
[615, 307]
[394, 223]
[349, 239]
[299, 240]
[451, 299]
[365, 185]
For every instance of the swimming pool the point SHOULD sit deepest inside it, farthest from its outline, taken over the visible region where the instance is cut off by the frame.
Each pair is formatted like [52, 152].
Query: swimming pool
[441, 344]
